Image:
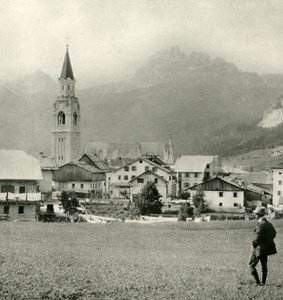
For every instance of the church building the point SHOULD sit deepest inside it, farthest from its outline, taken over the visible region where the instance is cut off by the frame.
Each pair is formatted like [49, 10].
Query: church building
[66, 117]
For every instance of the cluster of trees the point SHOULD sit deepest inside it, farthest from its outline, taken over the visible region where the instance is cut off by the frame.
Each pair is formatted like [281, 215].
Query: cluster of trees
[148, 202]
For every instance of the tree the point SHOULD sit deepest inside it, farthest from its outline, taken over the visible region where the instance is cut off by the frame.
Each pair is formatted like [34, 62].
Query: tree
[199, 202]
[148, 201]
[186, 211]
[70, 204]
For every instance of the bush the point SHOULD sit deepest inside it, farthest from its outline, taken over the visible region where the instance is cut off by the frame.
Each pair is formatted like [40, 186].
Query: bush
[186, 211]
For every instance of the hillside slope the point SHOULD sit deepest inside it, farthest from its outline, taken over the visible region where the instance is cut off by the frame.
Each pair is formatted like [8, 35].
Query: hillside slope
[208, 105]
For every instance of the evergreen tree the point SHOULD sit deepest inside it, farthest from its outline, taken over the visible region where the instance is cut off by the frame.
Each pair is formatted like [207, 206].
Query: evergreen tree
[69, 203]
[148, 201]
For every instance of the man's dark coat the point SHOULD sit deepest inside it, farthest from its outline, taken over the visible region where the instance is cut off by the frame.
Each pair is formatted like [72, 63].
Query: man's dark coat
[263, 243]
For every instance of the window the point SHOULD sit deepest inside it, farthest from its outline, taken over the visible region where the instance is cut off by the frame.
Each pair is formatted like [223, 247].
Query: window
[75, 118]
[61, 118]
[22, 189]
[126, 177]
[82, 185]
[186, 184]
[235, 195]
[119, 177]
[134, 168]
[279, 182]
[146, 168]
[154, 169]
[140, 180]
[21, 210]
[280, 173]
[279, 193]
[6, 209]
[126, 169]
[169, 178]
[133, 177]
[73, 185]
[220, 203]
[235, 204]
[187, 174]
[220, 194]
[7, 188]
[140, 161]
[68, 87]
[156, 180]
[207, 166]
[196, 174]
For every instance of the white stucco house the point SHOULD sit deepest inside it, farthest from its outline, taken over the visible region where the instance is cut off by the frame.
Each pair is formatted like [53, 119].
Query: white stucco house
[193, 169]
[133, 176]
[221, 195]
[278, 185]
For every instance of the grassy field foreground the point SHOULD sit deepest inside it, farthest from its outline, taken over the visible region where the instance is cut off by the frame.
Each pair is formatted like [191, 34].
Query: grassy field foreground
[133, 261]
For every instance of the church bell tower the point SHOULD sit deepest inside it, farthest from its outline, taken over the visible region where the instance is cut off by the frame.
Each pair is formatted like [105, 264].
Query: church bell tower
[66, 117]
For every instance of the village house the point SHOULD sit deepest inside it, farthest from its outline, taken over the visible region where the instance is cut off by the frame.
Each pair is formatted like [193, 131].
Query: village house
[81, 178]
[131, 178]
[223, 195]
[192, 170]
[95, 161]
[278, 185]
[20, 175]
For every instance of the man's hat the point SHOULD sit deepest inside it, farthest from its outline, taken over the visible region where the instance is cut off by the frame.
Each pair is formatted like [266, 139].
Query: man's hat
[260, 210]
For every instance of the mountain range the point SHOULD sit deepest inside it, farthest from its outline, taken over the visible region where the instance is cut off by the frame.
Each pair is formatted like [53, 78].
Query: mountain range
[207, 104]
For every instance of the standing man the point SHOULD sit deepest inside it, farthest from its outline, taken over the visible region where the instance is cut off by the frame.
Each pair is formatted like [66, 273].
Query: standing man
[262, 245]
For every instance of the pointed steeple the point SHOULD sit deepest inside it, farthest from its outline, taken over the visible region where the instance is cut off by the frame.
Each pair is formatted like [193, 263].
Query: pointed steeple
[67, 71]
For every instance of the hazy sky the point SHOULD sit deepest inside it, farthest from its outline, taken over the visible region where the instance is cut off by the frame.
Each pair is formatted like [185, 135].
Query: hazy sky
[111, 39]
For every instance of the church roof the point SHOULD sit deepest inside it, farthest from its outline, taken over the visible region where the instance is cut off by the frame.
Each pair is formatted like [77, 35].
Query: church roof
[67, 71]
[122, 150]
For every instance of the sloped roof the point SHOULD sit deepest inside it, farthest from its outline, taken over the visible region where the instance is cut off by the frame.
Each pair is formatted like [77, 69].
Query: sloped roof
[279, 166]
[195, 163]
[261, 178]
[98, 161]
[213, 179]
[85, 166]
[67, 71]
[18, 165]
[148, 173]
[47, 163]
[167, 170]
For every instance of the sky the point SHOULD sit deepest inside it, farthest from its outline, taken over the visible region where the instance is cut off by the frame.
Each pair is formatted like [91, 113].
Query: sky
[109, 40]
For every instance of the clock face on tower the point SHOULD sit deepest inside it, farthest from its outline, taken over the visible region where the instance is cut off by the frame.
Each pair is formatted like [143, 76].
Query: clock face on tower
[66, 114]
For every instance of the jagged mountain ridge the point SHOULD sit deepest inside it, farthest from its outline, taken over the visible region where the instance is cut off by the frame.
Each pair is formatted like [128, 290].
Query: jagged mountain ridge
[208, 105]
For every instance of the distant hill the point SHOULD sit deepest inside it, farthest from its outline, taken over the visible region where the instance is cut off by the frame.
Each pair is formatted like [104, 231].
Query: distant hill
[208, 105]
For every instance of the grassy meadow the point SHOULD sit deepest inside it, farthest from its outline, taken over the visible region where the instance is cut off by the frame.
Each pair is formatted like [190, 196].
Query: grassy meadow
[133, 261]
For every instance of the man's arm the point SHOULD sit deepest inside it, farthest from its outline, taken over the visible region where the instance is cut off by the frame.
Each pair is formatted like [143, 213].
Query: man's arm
[257, 235]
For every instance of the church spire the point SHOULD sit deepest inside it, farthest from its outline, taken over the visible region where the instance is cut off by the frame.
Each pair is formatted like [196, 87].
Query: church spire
[67, 71]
